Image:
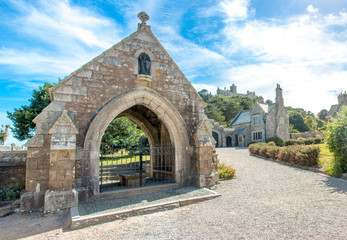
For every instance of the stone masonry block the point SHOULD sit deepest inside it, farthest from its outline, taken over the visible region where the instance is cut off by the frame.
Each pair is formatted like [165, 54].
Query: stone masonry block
[58, 200]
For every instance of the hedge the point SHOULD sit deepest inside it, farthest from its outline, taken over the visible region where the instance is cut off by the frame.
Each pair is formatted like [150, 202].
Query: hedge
[302, 141]
[305, 156]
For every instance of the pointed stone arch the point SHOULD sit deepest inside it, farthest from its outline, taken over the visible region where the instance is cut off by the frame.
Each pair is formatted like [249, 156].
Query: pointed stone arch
[116, 106]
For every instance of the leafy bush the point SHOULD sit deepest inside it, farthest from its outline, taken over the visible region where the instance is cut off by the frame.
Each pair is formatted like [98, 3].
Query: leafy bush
[295, 155]
[303, 141]
[225, 172]
[265, 150]
[8, 194]
[276, 140]
[337, 142]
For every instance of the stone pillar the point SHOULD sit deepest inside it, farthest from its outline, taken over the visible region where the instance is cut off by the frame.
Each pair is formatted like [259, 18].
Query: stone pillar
[206, 155]
[62, 165]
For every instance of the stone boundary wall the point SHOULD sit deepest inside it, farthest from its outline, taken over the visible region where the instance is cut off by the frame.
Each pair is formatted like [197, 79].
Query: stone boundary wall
[11, 148]
[305, 135]
[12, 168]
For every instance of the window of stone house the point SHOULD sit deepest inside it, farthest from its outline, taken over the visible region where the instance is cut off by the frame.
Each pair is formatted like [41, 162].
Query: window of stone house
[257, 136]
[240, 138]
[257, 120]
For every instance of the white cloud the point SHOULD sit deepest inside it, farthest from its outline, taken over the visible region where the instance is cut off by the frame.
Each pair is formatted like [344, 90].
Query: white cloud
[199, 86]
[311, 9]
[62, 36]
[235, 10]
[191, 57]
[301, 53]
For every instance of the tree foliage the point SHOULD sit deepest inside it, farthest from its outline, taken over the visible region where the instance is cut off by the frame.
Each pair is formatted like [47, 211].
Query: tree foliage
[3, 133]
[297, 121]
[322, 115]
[22, 118]
[224, 108]
[337, 141]
[124, 133]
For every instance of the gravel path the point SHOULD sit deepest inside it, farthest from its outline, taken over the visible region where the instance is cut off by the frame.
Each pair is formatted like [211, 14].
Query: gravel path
[266, 200]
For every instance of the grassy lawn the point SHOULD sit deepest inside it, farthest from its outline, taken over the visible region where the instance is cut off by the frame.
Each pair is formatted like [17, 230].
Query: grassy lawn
[113, 160]
[326, 159]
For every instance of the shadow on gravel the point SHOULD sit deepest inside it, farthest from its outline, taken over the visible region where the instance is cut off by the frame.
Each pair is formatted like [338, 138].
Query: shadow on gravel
[16, 226]
[339, 185]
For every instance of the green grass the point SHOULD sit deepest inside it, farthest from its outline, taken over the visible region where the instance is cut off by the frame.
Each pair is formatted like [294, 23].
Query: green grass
[326, 160]
[122, 160]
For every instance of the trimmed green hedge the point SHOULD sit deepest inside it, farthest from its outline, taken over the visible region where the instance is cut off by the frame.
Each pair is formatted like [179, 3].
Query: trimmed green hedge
[305, 156]
[303, 141]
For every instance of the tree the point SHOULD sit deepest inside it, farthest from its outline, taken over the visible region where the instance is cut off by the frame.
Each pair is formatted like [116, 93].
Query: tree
[323, 114]
[311, 123]
[3, 133]
[204, 94]
[297, 120]
[22, 118]
[337, 141]
[123, 133]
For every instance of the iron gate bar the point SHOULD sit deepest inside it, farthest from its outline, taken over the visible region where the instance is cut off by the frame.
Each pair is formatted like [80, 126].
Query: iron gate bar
[136, 166]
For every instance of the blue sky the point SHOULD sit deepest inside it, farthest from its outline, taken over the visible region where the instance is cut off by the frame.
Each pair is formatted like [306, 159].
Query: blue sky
[300, 44]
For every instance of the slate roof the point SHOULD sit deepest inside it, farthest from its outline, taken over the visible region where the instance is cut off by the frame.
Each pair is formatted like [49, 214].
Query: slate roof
[333, 110]
[241, 117]
[241, 130]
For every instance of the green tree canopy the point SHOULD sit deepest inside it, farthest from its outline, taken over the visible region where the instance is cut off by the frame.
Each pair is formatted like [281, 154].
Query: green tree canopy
[22, 118]
[297, 120]
[224, 108]
[323, 114]
[122, 132]
[337, 141]
[204, 94]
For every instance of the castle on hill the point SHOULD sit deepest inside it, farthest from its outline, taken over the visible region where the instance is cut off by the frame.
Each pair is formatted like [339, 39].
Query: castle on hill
[233, 91]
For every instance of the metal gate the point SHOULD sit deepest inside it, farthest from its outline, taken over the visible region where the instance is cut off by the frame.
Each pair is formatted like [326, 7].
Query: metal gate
[122, 168]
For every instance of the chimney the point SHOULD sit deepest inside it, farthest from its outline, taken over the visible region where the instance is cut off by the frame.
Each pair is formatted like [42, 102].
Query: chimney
[279, 96]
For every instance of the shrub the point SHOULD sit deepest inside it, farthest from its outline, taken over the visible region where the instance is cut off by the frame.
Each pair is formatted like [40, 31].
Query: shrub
[290, 142]
[276, 140]
[265, 150]
[8, 194]
[302, 141]
[300, 155]
[337, 142]
[225, 172]
[306, 156]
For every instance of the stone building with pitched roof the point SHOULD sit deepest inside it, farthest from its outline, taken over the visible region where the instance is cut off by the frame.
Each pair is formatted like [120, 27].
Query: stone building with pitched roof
[261, 122]
[337, 108]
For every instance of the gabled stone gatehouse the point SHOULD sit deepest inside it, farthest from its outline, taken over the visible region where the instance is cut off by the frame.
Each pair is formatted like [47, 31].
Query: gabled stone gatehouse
[135, 78]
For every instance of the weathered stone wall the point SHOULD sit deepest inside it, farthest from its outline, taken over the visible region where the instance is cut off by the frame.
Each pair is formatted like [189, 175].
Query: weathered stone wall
[12, 168]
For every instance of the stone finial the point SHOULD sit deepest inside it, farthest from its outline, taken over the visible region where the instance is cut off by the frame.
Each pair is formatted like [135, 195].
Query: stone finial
[143, 17]
[278, 86]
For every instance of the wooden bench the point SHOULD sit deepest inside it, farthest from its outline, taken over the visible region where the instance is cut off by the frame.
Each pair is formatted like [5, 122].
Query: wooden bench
[132, 178]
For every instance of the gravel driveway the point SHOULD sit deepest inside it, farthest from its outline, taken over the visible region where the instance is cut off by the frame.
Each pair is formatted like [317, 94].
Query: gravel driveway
[266, 200]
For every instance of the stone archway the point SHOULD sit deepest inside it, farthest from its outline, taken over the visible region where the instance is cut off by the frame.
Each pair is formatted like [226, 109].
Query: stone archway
[62, 158]
[116, 106]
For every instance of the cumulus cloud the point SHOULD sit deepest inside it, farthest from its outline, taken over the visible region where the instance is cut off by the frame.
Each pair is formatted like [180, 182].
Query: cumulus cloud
[302, 53]
[62, 37]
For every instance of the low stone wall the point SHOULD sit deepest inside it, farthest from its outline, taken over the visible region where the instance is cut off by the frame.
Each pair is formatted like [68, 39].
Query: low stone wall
[12, 168]
[12, 148]
[305, 135]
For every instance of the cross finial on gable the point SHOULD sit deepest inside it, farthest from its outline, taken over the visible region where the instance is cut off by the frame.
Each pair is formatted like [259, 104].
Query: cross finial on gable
[143, 17]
